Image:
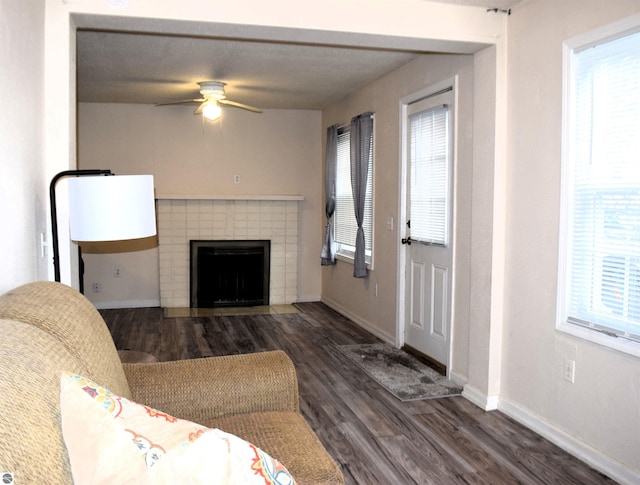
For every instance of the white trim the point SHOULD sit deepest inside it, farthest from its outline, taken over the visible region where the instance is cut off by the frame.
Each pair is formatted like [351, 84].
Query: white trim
[458, 379]
[578, 448]
[563, 232]
[110, 305]
[607, 33]
[453, 83]
[477, 397]
[359, 321]
[599, 338]
[401, 257]
[349, 258]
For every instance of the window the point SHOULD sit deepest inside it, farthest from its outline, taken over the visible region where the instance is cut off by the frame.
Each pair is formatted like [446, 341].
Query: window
[346, 226]
[600, 260]
[429, 190]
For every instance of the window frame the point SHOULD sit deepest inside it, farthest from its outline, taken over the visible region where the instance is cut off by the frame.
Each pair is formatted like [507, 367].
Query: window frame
[593, 333]
[432, 105]
[345, 252]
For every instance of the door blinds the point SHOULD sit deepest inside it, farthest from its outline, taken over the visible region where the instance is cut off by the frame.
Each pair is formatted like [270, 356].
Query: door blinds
[429, 173]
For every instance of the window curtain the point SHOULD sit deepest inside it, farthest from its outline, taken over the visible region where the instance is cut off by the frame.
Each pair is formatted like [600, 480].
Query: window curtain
[328, 255]
[361, 137]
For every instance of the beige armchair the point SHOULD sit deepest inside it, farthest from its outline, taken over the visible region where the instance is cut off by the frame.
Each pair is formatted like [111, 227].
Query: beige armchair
[47, 328]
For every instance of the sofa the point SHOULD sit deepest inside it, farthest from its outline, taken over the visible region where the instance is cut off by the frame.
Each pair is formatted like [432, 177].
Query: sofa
[48, 328]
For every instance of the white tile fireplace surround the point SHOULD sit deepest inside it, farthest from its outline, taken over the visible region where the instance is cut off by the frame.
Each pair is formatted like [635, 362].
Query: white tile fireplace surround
[181, 220]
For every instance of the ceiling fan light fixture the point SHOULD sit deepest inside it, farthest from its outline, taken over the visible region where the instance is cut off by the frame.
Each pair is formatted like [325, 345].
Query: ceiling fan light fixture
[212, 96]
[211, 110]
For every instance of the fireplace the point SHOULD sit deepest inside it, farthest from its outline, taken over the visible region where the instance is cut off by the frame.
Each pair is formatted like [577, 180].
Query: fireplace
[229, 273]
[225, 218]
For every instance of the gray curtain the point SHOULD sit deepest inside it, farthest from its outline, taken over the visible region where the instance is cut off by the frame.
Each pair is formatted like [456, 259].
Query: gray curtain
[361, 136]
[328, 255]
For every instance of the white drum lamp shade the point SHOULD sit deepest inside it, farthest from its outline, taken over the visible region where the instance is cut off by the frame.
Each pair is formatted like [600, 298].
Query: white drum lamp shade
[111, 208]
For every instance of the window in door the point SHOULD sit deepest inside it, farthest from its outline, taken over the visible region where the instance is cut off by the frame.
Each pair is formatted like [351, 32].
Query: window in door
[429, 166]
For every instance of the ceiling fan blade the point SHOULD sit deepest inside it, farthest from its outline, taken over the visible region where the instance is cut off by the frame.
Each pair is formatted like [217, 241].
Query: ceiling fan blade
[198, 110]
[184, 101]
[239, 105]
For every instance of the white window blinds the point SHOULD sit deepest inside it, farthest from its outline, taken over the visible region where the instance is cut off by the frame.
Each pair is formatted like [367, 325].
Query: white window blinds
[346, 226]
[429, 188]
[603, 189]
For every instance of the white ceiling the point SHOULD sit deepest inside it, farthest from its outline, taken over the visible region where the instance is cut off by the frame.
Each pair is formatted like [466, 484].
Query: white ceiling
[117, 67]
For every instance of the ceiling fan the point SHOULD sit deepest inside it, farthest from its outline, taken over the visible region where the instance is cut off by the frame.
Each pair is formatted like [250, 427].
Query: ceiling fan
[212, 98]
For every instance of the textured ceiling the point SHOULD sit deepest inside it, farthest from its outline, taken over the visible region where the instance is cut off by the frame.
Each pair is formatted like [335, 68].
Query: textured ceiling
[116, 67]
[132, 68]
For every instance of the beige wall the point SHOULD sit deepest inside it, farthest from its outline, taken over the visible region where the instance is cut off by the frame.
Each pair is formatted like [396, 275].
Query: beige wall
[23, 193]
[600, 414]
[597, 417]
[475, 350]
[516, 363]
[274, 153]
[356, 297]
[410, 24]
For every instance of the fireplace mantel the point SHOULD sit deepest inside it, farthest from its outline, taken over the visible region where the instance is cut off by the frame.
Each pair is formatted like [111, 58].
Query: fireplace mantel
[230, 197]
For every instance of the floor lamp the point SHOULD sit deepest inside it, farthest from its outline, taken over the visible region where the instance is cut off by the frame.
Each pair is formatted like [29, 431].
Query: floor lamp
[104, 207]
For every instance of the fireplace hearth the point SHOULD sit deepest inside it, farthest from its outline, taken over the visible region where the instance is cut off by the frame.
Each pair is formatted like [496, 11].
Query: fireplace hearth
[229, 273]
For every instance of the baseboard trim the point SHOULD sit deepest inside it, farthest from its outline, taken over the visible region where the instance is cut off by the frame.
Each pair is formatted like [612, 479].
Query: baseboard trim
[570, 444]
[477, 397]
[359, 321]
[111, 305]
[458, 378]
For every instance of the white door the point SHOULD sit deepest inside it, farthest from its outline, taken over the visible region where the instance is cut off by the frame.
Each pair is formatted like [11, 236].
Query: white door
[428, 273]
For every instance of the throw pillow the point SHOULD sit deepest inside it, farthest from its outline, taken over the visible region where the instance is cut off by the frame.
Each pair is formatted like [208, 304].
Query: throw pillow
[111, 439]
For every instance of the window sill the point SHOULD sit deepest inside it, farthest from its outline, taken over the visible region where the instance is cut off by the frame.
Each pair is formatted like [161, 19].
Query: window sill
[349, 258]
[616, 343]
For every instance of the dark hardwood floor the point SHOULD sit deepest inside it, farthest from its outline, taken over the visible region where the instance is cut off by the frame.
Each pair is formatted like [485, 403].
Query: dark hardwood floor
[375, 438]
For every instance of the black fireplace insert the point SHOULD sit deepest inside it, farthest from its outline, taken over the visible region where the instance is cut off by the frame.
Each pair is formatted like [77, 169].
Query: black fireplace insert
[229, 273]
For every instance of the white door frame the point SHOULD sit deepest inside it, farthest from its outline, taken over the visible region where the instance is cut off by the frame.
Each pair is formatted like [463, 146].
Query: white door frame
[402, 206]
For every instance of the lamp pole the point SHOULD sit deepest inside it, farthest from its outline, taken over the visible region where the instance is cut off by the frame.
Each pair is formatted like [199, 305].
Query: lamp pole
[54, 216]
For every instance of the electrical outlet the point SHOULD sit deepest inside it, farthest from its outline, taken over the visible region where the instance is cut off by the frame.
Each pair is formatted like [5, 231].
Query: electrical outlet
[236, 179]
[97, 287]
[569, 370]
